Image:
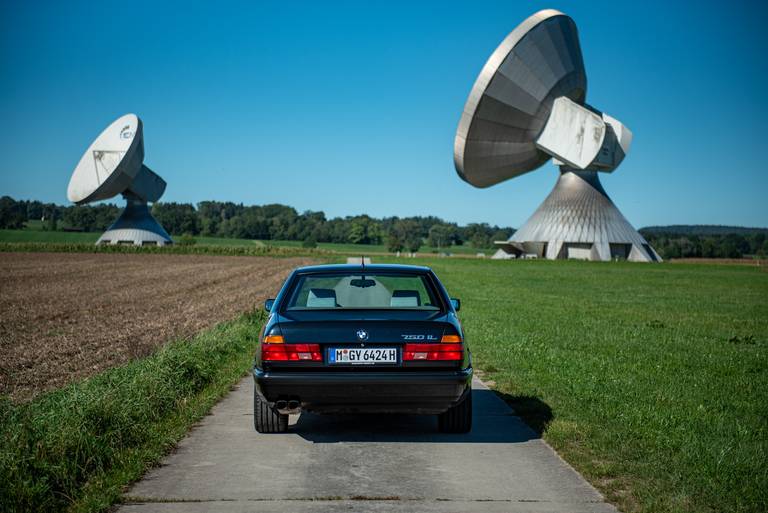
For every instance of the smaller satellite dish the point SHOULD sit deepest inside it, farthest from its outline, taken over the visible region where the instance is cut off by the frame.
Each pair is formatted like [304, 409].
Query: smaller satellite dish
[110, 163]
[114, 164]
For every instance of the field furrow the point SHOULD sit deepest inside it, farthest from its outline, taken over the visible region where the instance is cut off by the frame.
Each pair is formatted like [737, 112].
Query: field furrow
[64, 316]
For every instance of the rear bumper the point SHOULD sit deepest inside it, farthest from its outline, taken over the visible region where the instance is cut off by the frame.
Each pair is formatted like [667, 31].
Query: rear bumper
[404, 392]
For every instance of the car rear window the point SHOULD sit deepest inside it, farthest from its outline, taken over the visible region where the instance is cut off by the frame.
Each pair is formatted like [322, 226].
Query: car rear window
[377, 291]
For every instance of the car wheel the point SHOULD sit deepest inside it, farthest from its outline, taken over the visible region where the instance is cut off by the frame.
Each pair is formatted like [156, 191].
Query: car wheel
[266, 419]
[458, 418]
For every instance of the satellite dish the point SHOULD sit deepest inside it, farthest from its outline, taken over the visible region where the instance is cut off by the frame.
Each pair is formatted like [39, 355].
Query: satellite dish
[511, 100]
[114, 164]
[528, 106]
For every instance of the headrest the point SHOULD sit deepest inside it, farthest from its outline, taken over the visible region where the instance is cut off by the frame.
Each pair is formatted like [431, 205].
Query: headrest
[405, 298]
[321, 298]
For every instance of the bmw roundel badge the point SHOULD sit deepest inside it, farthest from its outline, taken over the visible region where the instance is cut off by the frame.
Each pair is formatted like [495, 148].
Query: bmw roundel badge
[362, 335]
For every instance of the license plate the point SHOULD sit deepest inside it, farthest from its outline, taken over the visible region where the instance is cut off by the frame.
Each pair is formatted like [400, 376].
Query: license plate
[362, 355]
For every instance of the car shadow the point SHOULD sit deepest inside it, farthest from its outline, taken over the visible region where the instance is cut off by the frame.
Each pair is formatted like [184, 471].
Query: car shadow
[535, 413]
[493, 422]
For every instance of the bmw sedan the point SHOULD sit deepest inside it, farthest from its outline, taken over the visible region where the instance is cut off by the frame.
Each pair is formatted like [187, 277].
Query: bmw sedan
[363, 338]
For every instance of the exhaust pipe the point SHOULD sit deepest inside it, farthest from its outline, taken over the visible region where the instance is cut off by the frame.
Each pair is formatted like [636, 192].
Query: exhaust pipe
[288, 405]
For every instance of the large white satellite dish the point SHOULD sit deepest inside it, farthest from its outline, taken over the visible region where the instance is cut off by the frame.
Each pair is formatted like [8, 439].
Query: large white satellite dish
[528, 106]
[114, 164]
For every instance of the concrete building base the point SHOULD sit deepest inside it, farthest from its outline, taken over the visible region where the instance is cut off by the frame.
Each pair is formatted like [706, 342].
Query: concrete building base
[577, 221]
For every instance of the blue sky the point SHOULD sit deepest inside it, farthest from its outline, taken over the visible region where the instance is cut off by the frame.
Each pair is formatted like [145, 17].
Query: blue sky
[352, 107]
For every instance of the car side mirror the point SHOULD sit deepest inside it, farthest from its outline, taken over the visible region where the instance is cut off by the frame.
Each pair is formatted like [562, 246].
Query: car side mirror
[456, 303]
[268, 304]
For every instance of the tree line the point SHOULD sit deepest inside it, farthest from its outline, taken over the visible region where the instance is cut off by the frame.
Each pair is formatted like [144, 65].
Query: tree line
[281, 222]
[722, 245]
[263, 222]
[702, 230]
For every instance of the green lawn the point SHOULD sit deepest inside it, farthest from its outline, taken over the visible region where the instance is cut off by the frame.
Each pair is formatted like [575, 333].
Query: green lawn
[219, 241]
[369, 249]
[652, 380]
[35, 233]
[33, 224]
[359, 249]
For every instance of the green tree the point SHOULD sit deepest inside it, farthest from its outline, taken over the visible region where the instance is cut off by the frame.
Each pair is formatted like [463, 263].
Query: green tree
[177, 218]
[104, 216]
[502, 234]
[11, 213]
[405, 236]
[361, 230]
[481, 240]
[357, 233]
[50, 216]
[442, 235]
[35, 210]
[394, 242]
[80, 217]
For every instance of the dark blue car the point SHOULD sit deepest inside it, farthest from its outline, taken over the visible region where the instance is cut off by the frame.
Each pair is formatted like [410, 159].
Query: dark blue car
[355, 338]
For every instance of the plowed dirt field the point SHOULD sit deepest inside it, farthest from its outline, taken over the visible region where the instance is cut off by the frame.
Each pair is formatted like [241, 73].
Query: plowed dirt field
[66, 316]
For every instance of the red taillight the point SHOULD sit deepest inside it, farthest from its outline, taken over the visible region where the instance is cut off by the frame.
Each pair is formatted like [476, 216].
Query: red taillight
[291, 352]
[433, 352]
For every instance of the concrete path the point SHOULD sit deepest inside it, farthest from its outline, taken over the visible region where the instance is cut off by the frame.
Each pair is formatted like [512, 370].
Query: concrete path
[362, 463]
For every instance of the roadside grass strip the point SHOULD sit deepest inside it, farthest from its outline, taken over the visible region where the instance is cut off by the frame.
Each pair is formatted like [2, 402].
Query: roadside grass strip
[76, 448]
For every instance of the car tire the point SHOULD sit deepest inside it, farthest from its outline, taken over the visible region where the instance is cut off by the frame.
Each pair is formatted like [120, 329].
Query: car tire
[458, 418]
[266, 419]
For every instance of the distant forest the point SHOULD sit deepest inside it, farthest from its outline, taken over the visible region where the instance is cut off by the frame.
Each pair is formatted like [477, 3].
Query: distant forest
[707, 241]
[703, 229]
[281, 222]
[265, 222]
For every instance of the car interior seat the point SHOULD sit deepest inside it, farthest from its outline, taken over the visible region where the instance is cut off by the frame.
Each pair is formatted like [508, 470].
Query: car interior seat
[405, 298]
[321, 298]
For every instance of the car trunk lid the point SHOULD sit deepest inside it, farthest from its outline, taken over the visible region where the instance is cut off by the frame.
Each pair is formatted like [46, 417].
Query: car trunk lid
[364, 331]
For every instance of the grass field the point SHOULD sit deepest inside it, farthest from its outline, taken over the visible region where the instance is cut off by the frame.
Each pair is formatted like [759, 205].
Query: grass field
[39, 235]
[652, 380]
[46, 236]
[372, 249]
[35, 233]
